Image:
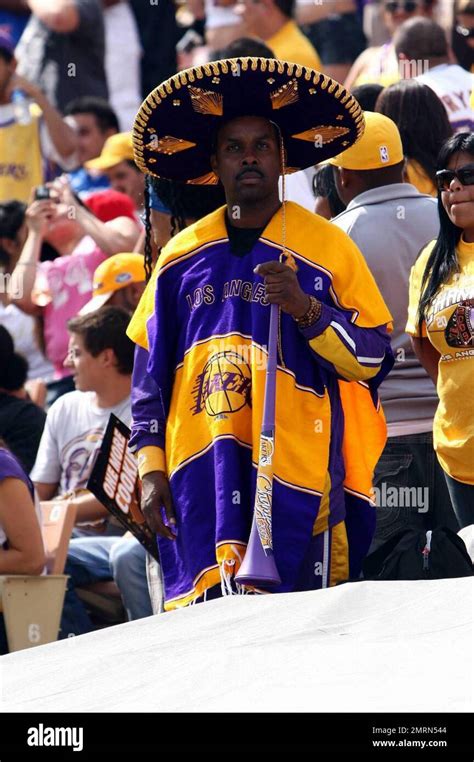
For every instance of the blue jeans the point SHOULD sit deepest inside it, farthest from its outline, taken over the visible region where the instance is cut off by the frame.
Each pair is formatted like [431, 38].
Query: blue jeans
[462, 498]
[99, 559]
[410, 489]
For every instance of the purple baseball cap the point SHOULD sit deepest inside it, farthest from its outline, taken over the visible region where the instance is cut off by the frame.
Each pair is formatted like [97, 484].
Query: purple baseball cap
[6, 42]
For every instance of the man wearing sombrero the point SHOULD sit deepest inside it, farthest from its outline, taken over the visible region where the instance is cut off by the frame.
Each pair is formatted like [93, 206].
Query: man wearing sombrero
[201, 332]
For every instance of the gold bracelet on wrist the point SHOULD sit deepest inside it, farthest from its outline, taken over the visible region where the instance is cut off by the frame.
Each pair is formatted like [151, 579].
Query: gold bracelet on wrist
[312, 314]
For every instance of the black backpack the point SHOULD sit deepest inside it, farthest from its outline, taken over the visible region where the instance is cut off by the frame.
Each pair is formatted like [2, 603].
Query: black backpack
[436, 554]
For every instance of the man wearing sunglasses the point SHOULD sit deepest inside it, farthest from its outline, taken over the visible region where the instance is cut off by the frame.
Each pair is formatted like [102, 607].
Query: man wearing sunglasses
[380, 64]
[423, 40]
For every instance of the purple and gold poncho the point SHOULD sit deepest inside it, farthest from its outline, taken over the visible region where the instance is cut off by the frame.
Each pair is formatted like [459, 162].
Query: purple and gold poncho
[201, 330]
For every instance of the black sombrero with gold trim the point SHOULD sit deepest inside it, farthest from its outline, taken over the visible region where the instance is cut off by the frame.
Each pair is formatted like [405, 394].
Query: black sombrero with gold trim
[175, 127]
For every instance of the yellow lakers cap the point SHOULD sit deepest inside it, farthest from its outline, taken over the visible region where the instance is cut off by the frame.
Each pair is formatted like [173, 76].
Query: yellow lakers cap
[379, 146]
[115, 273]
[117, 148]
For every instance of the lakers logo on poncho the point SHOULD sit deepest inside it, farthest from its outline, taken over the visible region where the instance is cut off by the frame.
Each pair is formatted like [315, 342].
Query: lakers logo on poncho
[224, 386]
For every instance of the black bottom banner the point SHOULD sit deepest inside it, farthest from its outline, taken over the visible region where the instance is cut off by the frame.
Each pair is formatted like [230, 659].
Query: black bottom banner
[76, 736]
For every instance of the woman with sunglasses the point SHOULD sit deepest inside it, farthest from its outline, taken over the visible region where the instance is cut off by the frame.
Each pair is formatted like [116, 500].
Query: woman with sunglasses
[441, 320]
[380, 64]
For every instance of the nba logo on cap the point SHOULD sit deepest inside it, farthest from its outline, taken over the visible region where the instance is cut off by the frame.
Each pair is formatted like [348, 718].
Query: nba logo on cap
[384, 157]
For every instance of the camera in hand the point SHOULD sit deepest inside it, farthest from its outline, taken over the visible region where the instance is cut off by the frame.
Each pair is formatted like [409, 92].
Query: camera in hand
[42, 192]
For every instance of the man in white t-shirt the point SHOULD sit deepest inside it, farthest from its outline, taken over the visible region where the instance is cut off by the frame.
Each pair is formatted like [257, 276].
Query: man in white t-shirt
[421, 42]
[101, 359]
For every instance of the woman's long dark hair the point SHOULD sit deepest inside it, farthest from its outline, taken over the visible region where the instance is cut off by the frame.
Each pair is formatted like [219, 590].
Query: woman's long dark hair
[421, 119]
[148, 261]
[443, 262]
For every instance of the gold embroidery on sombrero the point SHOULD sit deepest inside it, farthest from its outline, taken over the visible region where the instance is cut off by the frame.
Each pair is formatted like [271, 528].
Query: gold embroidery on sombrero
[206, 101]
[324, 133]
[286, 94]
[208, 179]
[296, 81]
[169, 145]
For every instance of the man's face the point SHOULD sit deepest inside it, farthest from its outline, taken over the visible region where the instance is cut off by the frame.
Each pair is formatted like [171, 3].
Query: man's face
[398, 11]
[91, 138]
[125, 178]
[253, 14]
[247, 159]
[7, 69]
[88, 371]
[458, 201]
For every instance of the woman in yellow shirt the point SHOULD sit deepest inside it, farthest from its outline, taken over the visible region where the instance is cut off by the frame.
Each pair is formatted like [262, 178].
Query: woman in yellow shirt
[424, 127]
[441, 320]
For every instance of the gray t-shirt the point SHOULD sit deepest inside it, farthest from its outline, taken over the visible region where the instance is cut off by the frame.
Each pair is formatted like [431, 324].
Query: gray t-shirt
[65, 66]
[390, 225]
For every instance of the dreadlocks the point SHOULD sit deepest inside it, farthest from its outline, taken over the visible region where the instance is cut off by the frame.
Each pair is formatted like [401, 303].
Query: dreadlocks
[148, 232]
[184, 202]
